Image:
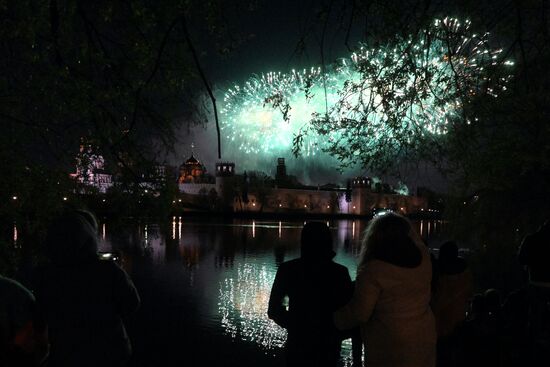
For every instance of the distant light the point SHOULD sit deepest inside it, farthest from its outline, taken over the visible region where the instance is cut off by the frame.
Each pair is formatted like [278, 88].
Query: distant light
[253, 204]
[328, 206]
[305, 206]
[103, 200]
[179, 200]
[64, 198]
[14, 197]
[354, 207]
[146, 191]
[173, 201]
[280, 205]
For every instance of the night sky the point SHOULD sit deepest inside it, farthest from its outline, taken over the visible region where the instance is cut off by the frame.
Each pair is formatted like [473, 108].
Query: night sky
[280, 36]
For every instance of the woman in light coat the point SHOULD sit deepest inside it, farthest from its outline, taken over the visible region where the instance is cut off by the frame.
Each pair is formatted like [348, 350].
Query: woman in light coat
[391, 302]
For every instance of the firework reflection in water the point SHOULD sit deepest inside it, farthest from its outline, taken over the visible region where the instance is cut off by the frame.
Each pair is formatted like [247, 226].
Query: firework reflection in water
[243, 306]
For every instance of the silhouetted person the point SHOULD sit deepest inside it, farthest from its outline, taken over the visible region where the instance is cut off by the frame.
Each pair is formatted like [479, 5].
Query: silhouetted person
[23, 333]
[493, 304]
[477, 307]
[391, 301]
[534, 254]
[315, 287]
[84, 298]
[453, 291]
[482, 331]
[494, 324]
[474, 332]
[515, 333]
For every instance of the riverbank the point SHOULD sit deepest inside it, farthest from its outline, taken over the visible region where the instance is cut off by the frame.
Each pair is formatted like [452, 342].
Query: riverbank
[202, 214]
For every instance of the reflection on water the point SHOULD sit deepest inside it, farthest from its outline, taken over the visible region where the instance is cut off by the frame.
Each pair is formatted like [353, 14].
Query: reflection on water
[225, 269]
[15, 234]
[146, 236]
[243, 306]
[428, 228]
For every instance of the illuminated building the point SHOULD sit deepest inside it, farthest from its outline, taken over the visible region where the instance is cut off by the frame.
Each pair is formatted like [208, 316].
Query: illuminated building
[280, 175]
[357, 182]
[192, 171]
[225, 169]
[90, 168]
[286, 195]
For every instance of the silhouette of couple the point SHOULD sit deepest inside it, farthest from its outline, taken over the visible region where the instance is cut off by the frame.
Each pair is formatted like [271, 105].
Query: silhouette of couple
[390, 301]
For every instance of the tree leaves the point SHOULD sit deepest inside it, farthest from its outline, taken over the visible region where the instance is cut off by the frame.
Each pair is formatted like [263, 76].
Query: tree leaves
[402, 98]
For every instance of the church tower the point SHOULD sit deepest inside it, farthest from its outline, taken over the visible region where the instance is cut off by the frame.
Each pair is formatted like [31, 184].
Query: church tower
[192, 170]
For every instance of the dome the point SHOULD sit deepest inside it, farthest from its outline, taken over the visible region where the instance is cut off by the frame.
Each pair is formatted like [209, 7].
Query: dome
[191, 171]
[192, 160]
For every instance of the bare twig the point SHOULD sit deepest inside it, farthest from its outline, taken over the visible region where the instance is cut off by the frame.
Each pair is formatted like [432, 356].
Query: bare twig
[204, 80]
[348, 29]
[322, 46]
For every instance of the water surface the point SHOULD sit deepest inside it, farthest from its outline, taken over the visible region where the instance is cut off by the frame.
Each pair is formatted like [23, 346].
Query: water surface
[205, 286]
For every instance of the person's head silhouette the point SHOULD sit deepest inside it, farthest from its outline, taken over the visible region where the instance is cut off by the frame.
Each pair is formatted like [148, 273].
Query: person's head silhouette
[448, 251]
[316, 242]
[390, 238]
[449, 261]
[72, 238]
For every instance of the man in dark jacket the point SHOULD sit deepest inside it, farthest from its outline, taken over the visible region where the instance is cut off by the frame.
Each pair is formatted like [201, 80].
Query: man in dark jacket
[315, 287]
[84, 299]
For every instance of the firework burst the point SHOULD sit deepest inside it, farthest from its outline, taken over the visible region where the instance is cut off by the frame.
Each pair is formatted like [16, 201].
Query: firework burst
[391, 97]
